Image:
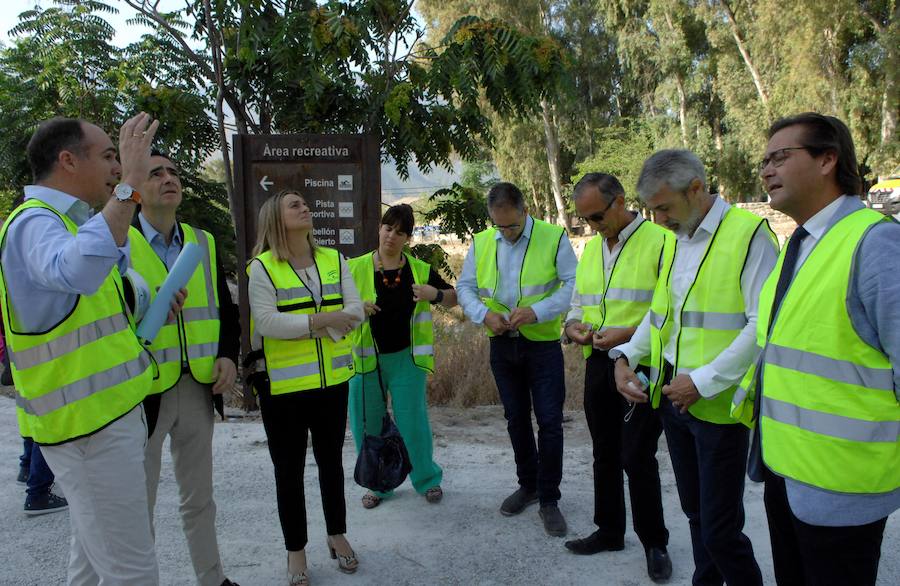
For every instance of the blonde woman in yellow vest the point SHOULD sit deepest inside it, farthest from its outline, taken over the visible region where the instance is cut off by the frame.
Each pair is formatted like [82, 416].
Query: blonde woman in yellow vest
[79, 369]
[825, 391]
[303, 304]
[395, 347]
[614, 284]
[517, 281]
[699, 336]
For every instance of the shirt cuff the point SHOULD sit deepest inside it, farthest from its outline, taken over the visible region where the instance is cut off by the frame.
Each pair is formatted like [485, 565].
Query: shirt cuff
[478, 314]
[625, 351]
[704, 378]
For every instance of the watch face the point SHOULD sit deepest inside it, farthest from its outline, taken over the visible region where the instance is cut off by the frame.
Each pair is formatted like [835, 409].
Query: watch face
[123, 191]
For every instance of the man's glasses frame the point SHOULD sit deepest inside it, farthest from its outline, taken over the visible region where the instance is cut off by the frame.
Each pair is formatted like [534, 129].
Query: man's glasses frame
[779, 156]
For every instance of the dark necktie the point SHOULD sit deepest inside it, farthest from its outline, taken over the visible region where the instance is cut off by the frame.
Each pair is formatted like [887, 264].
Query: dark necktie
[755, 467]
[787, 270]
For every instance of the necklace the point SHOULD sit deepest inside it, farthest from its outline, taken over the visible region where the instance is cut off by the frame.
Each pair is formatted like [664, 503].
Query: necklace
[385, 281]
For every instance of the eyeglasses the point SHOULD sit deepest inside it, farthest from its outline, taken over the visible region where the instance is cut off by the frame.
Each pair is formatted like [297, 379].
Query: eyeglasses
[506, 226]
[597, 217]
[777, 158]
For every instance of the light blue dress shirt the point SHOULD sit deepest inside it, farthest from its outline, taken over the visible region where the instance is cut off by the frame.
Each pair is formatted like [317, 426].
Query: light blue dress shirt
[510, 256]
[46, 267]
[167, 253]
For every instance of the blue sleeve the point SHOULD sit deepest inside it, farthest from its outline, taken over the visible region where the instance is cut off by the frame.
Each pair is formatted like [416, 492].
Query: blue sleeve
[561, 300]
[57, 260]
[467, 290]
[874, 296]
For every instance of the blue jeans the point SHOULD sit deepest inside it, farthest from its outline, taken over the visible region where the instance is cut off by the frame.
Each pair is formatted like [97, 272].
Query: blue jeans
[530, 374]
[40, 477]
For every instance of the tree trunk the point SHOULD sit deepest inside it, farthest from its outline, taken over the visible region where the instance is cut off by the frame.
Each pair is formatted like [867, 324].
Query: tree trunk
[682, 108]
[551, 134]
[745, 55]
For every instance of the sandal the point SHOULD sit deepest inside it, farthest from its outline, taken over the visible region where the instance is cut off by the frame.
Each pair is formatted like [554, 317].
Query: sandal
[371, 500]
[434, 494]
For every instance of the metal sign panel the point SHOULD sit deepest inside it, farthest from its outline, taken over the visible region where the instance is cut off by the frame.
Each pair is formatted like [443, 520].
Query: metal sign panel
[339, 175]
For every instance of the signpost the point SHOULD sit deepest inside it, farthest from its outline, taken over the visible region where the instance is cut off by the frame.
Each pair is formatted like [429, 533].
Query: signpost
[339, 175]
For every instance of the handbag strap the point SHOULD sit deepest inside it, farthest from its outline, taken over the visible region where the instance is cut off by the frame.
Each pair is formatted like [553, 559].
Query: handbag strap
[380, 384]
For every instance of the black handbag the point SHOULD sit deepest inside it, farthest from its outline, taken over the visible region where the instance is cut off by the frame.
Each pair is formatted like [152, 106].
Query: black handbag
[383, 462]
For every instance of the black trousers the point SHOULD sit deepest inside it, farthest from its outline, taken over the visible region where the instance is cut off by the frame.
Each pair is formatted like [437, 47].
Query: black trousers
[288, 420]
[709, 461]
[814, 555]
[623, 445]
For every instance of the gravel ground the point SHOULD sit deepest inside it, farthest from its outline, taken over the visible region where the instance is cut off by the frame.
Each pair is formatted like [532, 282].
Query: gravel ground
[463, 540]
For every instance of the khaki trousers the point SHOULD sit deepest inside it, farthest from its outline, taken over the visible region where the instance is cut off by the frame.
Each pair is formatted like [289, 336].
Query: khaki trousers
[186, 416]
[102, 476]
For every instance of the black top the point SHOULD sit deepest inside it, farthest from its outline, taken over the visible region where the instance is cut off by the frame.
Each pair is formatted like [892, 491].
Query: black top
[390, 326]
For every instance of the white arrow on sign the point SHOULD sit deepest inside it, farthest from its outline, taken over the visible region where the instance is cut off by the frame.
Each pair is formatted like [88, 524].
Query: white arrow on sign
[265, 183]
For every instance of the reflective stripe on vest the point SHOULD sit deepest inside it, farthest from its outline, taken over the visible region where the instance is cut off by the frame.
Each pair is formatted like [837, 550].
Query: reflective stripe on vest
[312, 363]
[193, 339]
[421, 330]
[86, 371]
[829, 414]
[625, 299]
[538, 278]
[713, 312]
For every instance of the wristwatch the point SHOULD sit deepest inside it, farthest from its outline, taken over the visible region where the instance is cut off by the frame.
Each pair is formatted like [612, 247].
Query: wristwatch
[125, 192]
[439, 297]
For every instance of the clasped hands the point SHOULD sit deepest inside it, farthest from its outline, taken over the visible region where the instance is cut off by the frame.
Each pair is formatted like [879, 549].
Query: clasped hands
[518, 317]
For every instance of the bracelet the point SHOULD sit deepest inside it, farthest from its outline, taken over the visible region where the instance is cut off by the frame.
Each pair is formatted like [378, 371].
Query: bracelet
[439, 297]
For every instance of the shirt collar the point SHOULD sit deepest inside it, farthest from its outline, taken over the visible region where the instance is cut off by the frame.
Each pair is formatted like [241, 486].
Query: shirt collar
[713, 218]
[818, 224]
[151, 233]
[628, 230]
[76, 209]
[526, 233]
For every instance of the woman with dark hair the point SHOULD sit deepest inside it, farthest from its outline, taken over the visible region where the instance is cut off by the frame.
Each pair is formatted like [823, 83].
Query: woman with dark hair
[303, 304]
[395, 347]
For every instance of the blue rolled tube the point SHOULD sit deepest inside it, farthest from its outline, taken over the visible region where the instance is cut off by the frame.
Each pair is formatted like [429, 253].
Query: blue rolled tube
[178, 278]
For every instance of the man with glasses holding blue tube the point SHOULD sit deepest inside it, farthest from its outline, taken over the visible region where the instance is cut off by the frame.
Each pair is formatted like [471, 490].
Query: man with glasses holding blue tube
[614, 284]
[517, 281]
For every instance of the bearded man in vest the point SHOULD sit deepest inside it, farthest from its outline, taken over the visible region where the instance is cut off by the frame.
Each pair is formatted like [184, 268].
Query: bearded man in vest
[196, 355]
[614, 284]
[824, 392]
[79, 369]
[699, 335]
[517, 281]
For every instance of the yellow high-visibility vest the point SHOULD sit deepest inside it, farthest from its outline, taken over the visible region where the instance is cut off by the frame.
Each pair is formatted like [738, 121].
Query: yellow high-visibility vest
[538, 278]
[625, 299]
[194, 337]
[299, 365]
[421, 331]
[84, 372]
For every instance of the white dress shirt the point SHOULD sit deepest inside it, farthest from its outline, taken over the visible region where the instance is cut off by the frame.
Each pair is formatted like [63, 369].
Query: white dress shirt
[729, 367]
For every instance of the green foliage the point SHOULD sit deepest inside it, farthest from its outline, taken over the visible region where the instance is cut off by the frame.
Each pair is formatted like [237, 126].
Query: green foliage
[434, 255]
[620, 151]
[63, 63]
[459, 210]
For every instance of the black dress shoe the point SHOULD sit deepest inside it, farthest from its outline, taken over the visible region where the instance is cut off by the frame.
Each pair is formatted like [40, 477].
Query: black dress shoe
[517, 501]
[228, 582]
[554, 522]
[594, 543]
[659, 564]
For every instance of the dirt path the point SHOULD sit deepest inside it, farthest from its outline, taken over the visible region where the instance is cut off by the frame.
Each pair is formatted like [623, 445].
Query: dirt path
[463, 540]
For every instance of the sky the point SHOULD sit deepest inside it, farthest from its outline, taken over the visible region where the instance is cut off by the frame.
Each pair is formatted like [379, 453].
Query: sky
[125, 33]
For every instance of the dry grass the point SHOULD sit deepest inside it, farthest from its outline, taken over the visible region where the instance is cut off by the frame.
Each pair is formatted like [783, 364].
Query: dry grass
[462, 375]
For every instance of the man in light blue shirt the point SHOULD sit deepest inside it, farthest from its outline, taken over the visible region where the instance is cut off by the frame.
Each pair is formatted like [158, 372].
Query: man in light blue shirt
[517, 281]
[48, 271]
